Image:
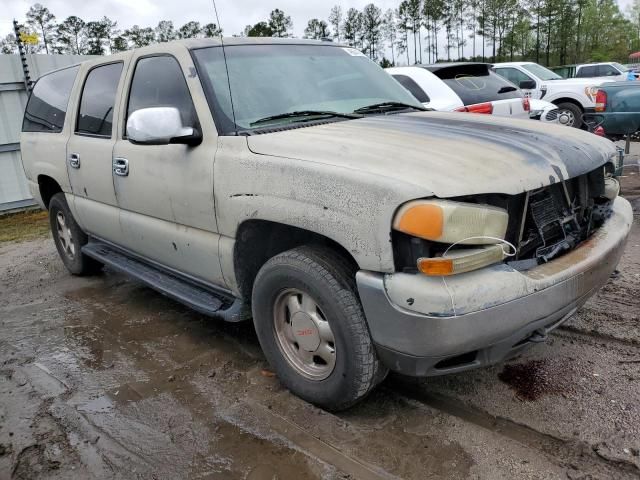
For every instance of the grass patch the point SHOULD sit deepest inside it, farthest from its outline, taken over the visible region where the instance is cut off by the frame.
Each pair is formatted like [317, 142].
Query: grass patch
[24, 226]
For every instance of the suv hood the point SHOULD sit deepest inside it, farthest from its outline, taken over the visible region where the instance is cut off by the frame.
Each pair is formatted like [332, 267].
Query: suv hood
[448, 154]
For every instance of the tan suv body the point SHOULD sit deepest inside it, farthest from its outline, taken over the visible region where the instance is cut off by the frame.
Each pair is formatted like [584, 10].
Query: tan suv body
[364, 233]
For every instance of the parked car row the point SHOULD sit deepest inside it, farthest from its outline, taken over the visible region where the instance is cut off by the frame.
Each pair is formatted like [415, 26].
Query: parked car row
[296, 183]
[514, 89]
[472, 87]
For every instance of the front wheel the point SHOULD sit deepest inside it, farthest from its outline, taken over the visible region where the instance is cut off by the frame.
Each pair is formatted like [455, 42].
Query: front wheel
[69, 238]
[573, 113]
[312, 328]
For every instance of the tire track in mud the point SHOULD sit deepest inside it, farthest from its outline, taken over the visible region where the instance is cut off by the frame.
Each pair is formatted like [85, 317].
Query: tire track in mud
[586, 336]
[567, 453]
[245, 355]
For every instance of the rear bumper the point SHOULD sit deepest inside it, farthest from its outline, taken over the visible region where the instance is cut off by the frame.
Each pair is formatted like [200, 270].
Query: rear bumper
[430, 326]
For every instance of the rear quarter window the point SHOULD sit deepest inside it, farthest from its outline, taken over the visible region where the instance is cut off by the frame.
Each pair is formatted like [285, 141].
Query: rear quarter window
[477, 84]
[47, 105]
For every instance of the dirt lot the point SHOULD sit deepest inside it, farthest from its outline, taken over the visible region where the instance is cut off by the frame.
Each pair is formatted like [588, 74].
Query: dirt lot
[101, 377]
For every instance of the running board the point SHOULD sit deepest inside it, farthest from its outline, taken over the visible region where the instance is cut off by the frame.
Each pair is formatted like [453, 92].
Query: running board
[202, 299]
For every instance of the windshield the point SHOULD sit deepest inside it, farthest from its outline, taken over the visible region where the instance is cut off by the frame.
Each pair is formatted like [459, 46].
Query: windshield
[620, 67]
[541, 72]
[270, 80]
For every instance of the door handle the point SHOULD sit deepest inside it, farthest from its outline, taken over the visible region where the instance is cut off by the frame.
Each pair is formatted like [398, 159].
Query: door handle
[121, 166]
[74, 160]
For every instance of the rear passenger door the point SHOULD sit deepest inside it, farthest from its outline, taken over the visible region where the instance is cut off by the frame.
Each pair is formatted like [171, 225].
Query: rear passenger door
[89, 152]
[166, 191]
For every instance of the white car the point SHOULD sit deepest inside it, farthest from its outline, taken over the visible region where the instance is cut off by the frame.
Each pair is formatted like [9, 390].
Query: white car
[471, 87]
[573, 96]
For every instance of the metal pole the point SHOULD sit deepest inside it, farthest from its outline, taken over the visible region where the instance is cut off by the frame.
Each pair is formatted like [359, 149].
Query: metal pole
[23, 57]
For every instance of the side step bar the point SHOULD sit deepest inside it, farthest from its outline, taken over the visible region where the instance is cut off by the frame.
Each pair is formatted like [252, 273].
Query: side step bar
[205, 300]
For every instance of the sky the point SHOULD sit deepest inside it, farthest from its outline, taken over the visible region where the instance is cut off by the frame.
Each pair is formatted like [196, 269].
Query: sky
[234, 15]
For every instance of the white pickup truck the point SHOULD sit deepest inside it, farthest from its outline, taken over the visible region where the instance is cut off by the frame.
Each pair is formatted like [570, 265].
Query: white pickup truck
[574, 97]
[610, 71]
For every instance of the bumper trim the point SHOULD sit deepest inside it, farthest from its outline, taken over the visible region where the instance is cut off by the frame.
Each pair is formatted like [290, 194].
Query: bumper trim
[414, 341]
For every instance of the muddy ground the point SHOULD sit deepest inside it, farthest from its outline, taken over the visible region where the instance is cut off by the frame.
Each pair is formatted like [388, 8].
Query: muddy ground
[103, 378]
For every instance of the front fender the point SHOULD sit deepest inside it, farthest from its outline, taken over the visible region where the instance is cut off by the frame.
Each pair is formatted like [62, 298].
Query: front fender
[353, 209]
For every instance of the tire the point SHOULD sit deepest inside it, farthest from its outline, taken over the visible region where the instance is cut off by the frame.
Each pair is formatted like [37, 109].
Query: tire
[69, 238]
[574, 111]
[317, 280]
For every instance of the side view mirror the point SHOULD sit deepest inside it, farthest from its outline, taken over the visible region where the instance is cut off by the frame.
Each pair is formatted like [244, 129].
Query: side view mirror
[160, 126]
[528, 84]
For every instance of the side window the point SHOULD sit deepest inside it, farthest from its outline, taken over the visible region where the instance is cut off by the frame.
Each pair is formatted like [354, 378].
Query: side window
[159, 82]
[514, 75]
[586, 72]
[98, 99]
[47, 106]
[607, 71]
[413, 88]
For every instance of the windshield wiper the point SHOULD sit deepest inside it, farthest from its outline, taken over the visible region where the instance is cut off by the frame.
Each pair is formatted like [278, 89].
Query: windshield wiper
[387, 106]
[303, 114]
[507, 88]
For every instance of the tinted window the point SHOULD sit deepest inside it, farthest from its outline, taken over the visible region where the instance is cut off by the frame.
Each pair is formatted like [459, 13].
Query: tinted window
[98, 100]
[607, 71]
[159, 82]
[586, 72]
[514, 75]
[477, 84]
[413, 88]
[541, 72]
[47, 106]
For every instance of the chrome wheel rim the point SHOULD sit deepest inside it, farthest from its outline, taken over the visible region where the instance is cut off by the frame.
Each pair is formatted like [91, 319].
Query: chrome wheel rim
[304, 335]
[64, 236]
[571, 118]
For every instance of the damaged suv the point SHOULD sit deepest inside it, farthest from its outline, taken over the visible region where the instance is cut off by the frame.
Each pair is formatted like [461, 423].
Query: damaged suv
[296, 183]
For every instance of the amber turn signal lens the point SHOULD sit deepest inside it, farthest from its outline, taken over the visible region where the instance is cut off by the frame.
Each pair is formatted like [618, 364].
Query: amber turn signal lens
[423, 220]
[436, 266]
[461, 261]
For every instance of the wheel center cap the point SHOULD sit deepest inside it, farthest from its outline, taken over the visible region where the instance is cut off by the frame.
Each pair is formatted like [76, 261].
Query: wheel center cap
[305, 331]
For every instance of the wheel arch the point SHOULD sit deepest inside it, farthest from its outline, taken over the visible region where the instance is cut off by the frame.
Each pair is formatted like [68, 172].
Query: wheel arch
[48, 187]
[259, 240]
[560, 100]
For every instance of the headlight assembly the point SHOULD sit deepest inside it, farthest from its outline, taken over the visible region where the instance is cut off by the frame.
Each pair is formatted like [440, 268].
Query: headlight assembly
[446, 221]
[456, 224]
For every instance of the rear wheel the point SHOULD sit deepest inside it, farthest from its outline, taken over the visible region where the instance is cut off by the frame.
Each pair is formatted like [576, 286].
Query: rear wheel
[312, 328]
[69, 238]
[572, 112]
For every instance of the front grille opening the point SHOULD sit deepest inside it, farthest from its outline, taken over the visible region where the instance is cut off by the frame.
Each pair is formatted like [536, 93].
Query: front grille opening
[544, 224]
[457, 361]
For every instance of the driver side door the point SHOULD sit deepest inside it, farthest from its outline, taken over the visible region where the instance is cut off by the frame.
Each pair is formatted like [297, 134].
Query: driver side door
[165, 192]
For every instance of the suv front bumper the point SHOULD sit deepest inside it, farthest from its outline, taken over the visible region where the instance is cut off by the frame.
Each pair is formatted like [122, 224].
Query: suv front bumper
[425, 326]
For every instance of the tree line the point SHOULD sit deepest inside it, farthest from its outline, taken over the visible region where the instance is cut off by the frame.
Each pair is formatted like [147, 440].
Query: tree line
[550, 32]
